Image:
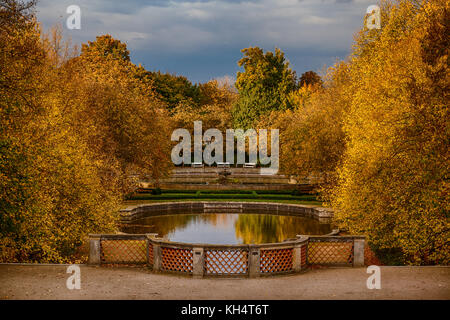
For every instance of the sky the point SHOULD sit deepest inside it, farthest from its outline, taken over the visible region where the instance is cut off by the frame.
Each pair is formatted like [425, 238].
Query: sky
[202, 39]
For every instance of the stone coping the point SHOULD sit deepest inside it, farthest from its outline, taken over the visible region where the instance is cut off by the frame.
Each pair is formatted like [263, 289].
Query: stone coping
[139, 211]
[276, 245]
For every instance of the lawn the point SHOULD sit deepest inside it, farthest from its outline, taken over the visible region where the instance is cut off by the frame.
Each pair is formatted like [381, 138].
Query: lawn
[238, 196]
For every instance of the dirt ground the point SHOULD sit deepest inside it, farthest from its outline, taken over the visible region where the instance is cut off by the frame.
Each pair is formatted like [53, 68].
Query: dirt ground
[49, 282]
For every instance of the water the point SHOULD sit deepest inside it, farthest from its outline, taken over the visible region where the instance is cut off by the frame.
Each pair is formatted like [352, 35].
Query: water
[226, 228]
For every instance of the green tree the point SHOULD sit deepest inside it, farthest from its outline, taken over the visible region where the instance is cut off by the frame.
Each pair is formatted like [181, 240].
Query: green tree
[264, 86]
[214, 109]
[174, 90]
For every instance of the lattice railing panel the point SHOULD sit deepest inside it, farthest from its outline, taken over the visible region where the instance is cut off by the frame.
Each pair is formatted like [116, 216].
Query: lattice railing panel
[175, 259]
[123, 251]
[276, 260]
[226, 262]
[330, 252]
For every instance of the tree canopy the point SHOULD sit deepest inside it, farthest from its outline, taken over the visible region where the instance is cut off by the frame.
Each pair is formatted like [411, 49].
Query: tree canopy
[376, 134]
[263, 86]
[310, 78]
[74, 130]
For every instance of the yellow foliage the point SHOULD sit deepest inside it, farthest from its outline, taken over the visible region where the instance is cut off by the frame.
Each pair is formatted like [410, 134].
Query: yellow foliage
[311, 135]
[392, 184]
[377, 134]
[72, 130]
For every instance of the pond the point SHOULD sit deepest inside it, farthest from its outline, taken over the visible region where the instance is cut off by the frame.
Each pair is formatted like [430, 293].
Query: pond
[227, 228]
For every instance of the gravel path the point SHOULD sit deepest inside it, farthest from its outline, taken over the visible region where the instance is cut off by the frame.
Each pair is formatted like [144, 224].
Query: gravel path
[49, 282]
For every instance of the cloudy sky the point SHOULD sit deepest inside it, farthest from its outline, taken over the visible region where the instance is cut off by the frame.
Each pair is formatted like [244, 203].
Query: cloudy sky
[202, 39]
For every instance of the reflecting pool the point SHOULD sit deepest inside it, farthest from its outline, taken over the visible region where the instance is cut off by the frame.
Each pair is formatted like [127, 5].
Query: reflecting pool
[227, 228]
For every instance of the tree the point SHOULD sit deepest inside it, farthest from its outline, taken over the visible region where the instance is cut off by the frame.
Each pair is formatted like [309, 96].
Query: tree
[72, 131]
[393, 181]
[174, 90]
[52, 188]
[312, 140]
[377, 134]
[264, 85]
[116, 97]
[310, 78]
[214, 109]
[106, 46]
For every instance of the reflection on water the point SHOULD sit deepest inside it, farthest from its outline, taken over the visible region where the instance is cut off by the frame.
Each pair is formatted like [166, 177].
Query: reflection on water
[225, 228]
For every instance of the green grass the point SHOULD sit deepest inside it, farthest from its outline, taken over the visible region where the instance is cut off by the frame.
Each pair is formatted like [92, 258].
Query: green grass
[280, 196]
[221, 196]
[274, 192]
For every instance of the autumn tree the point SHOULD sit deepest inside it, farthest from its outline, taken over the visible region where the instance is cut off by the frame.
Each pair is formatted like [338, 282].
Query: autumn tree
[310, 78]
[377, 134]
[52, 191]
[312, 140]
[74, 130]
[132, 124]
[106, 46]
[393, 182]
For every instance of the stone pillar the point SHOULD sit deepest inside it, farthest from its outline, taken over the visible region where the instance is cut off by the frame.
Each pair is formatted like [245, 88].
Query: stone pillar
[198, 262]
[94, 249]
[358, 252]
[300, 249]
[156, 257]
[253, 262]
[297, 258]
[150, 236]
